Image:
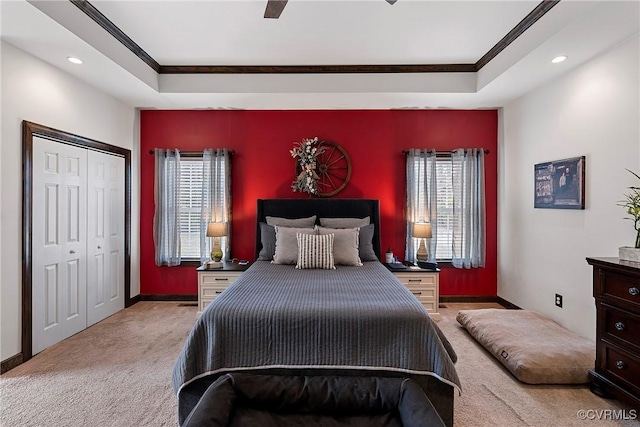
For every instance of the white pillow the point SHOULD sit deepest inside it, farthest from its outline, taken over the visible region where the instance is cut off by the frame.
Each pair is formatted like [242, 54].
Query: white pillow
[287, 245]
[315, 251]
[345, 245]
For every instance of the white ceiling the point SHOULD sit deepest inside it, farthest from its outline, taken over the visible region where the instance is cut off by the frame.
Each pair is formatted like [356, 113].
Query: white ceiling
[317, 32]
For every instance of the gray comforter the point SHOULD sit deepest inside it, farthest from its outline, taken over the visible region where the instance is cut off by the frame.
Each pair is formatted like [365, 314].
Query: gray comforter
[275, 316]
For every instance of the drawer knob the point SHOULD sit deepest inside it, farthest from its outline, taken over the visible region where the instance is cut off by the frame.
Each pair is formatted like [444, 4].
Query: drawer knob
[415, 280]
[619, 326]
[220, 279]
[620, 364]
[634, 291]
[417, 293]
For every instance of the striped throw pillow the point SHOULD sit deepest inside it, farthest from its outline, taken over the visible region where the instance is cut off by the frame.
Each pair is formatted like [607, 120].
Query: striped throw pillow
[315, 251]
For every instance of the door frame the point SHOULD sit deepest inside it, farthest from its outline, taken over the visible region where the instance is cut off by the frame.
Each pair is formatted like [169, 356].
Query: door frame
[29, 131]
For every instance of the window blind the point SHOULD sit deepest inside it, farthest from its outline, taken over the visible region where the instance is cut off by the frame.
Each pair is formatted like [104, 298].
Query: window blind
[191, 175]
[444, 203]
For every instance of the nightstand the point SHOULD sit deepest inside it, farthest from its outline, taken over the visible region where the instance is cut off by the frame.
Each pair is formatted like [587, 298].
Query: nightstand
[211, 282]
[424, 284]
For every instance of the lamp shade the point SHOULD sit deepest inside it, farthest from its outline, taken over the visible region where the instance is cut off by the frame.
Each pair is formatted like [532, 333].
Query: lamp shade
[422, 230]
[216, 229]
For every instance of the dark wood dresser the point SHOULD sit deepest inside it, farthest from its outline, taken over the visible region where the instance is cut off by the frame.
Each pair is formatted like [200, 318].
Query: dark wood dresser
[616, 289]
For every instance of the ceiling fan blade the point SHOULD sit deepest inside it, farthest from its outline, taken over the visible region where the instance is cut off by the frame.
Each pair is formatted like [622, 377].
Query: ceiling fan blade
[274, 8]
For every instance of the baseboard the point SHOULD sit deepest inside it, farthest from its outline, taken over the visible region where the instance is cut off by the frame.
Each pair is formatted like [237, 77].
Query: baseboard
[470, 299]
[133, 300]
[506, 304]
[10, 363]
[168, 297]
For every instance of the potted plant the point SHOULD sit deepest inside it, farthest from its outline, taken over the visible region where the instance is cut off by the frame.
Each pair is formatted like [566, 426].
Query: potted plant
[632, 205]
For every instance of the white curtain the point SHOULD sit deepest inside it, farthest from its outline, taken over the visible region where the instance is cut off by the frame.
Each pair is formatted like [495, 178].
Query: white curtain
[422, 194]
[166, 219]
[469, 234]
[216, 198]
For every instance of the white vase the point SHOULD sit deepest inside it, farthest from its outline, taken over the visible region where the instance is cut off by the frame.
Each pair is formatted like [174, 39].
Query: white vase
[627, 253]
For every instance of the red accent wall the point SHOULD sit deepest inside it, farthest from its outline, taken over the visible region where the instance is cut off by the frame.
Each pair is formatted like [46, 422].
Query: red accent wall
[263, 168]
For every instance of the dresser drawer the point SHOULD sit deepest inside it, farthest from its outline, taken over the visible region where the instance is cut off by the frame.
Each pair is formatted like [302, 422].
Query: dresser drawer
[213, 283]
[424, 286]
[427, 297]
[621, 326]
[620, 286]
[224, 279]
[623, 368]
[415, 280]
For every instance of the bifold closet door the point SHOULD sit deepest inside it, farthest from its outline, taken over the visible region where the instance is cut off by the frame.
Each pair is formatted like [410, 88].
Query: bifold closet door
[105, 240]
[59, 242]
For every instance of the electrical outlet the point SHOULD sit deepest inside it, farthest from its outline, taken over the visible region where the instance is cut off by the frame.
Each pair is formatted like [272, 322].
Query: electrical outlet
[559, 300]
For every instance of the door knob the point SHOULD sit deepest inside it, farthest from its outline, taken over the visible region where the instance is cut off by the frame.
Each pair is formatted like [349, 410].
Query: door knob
[72, 251]
[99, 247]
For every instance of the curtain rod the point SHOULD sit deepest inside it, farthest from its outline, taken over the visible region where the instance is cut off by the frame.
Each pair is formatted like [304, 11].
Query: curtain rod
[192, 153]
[405, 152]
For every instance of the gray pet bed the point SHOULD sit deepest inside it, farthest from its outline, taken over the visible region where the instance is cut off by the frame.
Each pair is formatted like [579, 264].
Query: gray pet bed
[275, 401]
[531, 346]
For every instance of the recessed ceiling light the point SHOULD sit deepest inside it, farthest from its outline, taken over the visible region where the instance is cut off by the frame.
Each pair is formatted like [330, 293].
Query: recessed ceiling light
[74, 60]
[558, 59]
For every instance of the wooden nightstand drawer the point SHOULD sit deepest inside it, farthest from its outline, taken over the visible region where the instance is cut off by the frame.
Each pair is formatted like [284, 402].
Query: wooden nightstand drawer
[621, 287]
[209, 278]
[210, 292]
[417, 279]
[427, 298]
[212, 283]
[424, 285]
[621, 326]
[623, 368]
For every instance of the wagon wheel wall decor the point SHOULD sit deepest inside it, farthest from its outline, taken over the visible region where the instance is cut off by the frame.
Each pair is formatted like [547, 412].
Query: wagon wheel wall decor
[333, 167]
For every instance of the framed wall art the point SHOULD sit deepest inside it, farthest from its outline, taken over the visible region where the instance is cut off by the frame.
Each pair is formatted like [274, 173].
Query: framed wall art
[560, 184]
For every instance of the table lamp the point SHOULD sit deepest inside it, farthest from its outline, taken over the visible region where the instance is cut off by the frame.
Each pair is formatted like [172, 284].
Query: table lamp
[422, 231]
[216, 230]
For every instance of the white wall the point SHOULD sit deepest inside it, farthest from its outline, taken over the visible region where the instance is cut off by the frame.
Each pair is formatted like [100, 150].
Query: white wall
[35, 91]
[592, 111]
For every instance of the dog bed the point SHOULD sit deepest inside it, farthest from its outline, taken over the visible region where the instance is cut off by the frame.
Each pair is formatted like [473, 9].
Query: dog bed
[534, 348]
[270, 400]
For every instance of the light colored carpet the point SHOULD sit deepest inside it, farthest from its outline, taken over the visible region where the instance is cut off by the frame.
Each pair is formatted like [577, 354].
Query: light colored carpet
[118, 373]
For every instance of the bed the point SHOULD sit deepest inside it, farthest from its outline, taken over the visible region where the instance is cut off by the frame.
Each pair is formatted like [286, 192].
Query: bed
[354, 321]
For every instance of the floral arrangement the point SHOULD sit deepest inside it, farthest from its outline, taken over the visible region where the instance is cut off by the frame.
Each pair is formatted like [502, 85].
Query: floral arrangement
[306, 153]
[632, 206]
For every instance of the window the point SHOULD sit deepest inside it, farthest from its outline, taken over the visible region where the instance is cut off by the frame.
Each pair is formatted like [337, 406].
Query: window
[191, 173]
[190, 190]
[447, 189]
[444, 201]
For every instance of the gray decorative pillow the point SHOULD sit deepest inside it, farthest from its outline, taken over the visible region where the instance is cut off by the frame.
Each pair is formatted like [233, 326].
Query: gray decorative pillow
[286, 251]
[345, 222]
[315, 251]
[292, 222]
[345, 244]
[268, 240]
[365, 249]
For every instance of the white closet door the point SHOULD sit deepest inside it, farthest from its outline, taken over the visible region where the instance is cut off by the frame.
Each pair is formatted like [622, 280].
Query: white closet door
[58, 242]
[105, 249]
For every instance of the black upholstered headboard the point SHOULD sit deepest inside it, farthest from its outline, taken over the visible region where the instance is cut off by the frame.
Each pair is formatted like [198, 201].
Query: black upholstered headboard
[323, 208]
